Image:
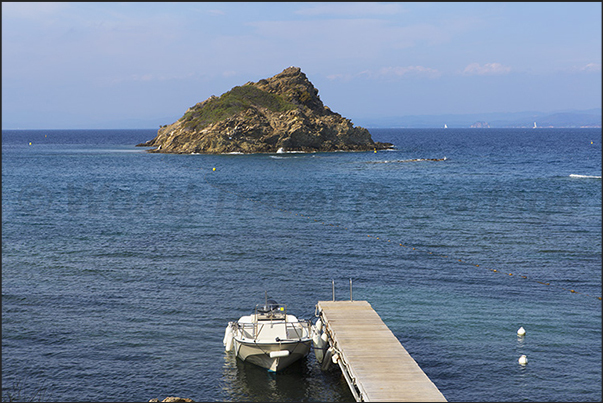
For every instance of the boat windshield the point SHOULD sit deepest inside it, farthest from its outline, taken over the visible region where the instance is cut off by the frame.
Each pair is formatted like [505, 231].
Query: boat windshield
[270, 311]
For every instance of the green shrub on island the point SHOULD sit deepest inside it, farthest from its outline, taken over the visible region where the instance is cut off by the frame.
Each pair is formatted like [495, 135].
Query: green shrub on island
[281, 113]
[237, 100]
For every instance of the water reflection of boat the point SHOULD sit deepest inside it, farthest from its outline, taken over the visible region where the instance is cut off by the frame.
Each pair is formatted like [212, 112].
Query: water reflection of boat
[269, 337]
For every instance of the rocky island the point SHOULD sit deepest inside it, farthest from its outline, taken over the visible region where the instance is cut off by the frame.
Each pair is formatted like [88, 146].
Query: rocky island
[279, 114]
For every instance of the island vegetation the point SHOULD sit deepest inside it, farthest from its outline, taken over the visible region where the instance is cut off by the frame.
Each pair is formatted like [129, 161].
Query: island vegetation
[279, 114]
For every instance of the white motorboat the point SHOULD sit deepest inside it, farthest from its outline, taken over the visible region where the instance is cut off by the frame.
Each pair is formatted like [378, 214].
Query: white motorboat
[269, 337]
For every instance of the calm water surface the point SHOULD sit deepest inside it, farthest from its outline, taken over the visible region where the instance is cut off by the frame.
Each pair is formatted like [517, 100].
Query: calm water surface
[121, 269]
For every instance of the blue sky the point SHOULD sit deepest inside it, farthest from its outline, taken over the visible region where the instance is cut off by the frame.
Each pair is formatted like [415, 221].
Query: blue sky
[121, 65]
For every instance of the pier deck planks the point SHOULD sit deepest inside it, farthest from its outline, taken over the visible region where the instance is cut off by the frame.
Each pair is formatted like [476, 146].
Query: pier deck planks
[381, 367]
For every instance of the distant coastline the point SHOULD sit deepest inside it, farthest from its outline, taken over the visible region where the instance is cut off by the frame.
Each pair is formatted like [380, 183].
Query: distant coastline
[590, 118]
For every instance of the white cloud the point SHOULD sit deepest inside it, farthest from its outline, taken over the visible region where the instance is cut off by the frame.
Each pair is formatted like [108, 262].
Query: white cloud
[389, 73]
[215, 12]
[408, 71]
[145, 77]
[31, 10]
[486, 69]
[352, 9]
[585, 68]
[591, 67]
[340, 77]
[343, 39]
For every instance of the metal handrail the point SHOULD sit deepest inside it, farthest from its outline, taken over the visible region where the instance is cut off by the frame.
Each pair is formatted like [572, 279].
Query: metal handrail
[255, 329]
[333, 288]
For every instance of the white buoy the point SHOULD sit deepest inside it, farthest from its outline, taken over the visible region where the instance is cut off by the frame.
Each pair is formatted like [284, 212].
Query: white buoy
[523, 360]
[521, 331]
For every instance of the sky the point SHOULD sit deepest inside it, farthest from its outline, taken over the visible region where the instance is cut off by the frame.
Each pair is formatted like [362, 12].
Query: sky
[141, 65]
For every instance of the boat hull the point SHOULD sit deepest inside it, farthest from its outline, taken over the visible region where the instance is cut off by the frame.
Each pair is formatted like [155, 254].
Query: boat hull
[269, 338]
[283, 353]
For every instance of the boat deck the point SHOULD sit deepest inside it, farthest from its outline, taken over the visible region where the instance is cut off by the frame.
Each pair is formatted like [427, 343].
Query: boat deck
[375, 364]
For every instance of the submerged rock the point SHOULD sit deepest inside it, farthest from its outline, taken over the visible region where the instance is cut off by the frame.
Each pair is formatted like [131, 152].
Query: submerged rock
[282, 113]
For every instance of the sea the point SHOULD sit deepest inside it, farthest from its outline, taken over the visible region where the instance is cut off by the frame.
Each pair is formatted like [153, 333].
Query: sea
[121, 268]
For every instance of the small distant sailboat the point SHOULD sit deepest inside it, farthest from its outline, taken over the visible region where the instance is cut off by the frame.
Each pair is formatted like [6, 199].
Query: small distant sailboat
[445, 126]
[535, 127]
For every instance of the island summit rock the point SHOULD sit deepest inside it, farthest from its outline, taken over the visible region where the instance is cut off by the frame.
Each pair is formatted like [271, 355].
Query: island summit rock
[279, 114]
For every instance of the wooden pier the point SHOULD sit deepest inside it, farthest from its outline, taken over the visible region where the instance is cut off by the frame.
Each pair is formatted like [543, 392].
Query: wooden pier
[374, 363]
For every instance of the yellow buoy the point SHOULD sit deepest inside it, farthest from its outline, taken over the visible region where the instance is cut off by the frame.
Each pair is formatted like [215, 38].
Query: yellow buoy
[30, 143]
[523, 360]
[214, 169]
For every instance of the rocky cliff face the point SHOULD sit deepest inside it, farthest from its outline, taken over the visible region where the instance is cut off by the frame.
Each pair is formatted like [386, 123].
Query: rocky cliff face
[283, 112]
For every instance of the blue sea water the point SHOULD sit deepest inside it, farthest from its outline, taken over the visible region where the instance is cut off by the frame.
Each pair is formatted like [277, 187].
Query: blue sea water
[121, 268]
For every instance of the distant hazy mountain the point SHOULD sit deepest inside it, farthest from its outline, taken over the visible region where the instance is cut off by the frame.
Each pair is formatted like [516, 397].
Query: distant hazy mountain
[582, 118]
